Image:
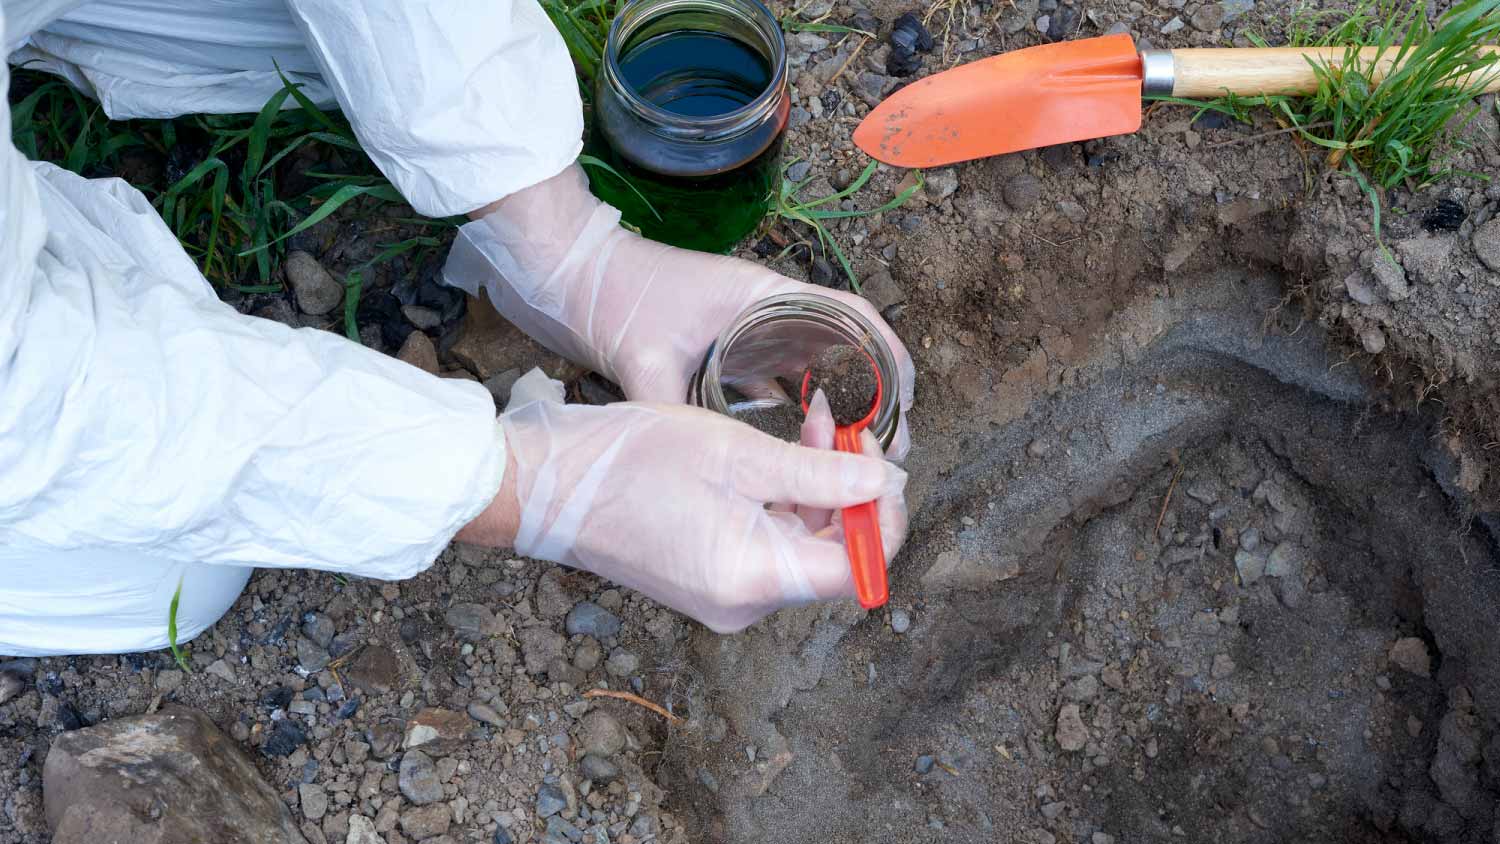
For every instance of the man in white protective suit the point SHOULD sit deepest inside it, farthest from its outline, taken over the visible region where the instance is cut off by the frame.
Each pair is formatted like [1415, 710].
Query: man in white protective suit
[150, 435]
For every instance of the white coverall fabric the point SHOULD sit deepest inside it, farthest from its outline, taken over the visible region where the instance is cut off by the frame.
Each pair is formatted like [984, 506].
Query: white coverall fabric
[150, 434]
[459, 102]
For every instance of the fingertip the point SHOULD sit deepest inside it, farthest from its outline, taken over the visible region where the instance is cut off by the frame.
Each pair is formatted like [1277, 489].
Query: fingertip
[818, 427]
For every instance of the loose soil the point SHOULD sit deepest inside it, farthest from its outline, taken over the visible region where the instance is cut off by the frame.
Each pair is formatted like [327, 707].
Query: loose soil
[847, 379]
[783, 421]
[1190, 457]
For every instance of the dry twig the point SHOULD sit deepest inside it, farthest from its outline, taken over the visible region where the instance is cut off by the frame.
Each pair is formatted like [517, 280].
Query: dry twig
[635, 699]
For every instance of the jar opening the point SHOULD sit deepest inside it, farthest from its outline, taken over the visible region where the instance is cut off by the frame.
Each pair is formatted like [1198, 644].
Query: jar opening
[697, 68]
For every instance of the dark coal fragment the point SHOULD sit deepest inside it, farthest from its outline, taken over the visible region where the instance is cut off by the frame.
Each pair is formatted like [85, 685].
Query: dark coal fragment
[277, 698]
[348, 709]
[1446, 215]
[909, 32]
[284, 739]
[909, 39]
[1212, 120]
[68, 717]
[1064, 23]
[383, 310]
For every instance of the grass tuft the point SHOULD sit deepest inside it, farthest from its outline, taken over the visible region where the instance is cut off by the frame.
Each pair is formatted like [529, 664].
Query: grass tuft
[813, 212]
[232, 188]
[1394, 130]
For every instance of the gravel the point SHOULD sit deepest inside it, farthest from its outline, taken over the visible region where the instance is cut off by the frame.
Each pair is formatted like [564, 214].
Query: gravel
[1071, 734]
[550, 800]
[622, 663]
[923, 764]
[314, 801]
[600, 734]
[539, 646]
[486, 714]
[590, 619]
[285, 738]
[472, 622]
[319, 628]
[900, 621]
[418, 778]
[317, 292]
[310, 657]
[426, 821]
[598, 770]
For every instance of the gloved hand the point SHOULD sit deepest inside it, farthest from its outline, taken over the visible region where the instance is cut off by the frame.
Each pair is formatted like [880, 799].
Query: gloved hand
[557, 263]
[671, 500]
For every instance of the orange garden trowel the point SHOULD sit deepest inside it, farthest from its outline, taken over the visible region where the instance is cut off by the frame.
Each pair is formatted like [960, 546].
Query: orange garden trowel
[1078, 90]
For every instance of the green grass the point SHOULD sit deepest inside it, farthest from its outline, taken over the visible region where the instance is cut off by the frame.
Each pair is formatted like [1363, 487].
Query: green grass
[178, 653]
[1399, 130]
[232, 188]
[814, 212]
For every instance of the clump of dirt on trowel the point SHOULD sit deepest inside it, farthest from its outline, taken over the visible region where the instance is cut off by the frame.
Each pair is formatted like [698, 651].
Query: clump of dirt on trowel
[847, 378]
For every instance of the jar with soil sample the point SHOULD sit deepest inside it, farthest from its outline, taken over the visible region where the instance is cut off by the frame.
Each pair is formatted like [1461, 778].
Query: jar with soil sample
[690, 107]
[754, 370]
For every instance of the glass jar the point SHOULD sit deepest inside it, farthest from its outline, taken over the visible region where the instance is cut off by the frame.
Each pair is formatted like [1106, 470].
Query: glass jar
[690, 107]
[777, 338]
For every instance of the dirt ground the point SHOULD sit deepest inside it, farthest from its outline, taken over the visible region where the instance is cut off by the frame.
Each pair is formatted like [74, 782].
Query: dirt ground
[1204, 528]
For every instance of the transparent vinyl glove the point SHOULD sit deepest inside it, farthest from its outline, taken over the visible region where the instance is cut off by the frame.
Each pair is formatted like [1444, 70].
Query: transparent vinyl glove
[671, 500]
[556, 262]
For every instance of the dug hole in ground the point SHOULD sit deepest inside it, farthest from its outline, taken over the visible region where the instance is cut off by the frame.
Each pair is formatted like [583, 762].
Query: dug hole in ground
[1203, 544]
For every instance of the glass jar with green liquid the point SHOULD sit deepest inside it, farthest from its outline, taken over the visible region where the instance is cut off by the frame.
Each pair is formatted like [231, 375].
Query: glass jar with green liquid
[689, 109]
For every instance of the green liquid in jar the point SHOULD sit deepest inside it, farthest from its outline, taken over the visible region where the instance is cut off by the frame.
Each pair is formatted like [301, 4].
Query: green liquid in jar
[695, 74]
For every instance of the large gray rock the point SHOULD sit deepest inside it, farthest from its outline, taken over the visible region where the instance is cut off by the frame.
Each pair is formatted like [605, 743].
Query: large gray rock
[159, 779]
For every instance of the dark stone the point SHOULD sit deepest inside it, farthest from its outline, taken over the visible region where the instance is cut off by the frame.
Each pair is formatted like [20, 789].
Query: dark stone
[348, 709]
[318, 627]
[502, 836]
[284, 739]
[68, 717]
[550, 800]
[1212, 120]
[168, 778]
[383, 310]
[599, 770]
[589, 619]
[864, 21]
[277, 698]
[823, 273]
[909, 38]
[923, 765]
[1064, 23]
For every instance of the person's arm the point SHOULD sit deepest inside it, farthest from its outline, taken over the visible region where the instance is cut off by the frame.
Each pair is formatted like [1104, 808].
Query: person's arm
[139, 412]
[459, 103]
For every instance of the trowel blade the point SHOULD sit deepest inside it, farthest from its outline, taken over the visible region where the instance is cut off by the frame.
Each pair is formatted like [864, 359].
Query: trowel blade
[1024, 99]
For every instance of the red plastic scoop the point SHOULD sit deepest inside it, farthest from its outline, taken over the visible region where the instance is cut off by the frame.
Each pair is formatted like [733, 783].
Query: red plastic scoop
[861, 522]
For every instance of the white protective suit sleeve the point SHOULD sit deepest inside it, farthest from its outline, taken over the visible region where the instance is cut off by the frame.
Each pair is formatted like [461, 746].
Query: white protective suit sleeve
[458, 103]
[141, 415]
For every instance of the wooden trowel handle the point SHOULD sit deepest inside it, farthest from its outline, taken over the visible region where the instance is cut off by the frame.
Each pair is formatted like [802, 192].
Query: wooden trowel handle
[1203, 73]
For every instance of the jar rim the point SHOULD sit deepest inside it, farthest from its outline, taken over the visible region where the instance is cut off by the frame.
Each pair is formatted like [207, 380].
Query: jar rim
[637, 13]
[817, 308]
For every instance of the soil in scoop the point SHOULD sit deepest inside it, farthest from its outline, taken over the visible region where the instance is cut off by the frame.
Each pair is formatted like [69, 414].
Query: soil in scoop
[845, 375]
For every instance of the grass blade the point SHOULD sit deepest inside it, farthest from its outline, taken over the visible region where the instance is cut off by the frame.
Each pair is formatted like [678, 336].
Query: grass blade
[177, 652]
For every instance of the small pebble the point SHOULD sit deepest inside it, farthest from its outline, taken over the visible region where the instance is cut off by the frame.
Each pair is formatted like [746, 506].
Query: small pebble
[900, 621]
[923, 764]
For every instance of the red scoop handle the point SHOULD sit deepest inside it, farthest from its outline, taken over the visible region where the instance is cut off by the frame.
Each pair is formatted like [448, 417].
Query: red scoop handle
[862, 535]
